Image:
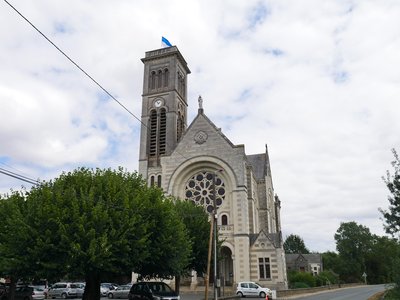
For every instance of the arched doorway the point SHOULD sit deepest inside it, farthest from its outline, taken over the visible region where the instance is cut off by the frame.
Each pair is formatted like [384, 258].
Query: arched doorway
[226, 266]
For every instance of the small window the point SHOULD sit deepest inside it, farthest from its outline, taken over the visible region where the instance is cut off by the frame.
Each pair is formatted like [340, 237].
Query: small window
[159, 180]
[224, 220]
[151, 180]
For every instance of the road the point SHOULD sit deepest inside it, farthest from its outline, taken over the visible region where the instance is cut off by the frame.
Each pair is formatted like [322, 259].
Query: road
[354, 293]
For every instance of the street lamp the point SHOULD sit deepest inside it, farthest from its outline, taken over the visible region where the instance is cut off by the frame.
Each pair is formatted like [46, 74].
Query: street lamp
[215, 236]
[213, 240]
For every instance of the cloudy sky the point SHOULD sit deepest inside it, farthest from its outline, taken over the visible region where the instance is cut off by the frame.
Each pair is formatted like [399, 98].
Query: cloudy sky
[318, 81]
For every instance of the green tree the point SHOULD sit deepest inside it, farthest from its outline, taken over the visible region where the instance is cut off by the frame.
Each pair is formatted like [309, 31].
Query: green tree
[196, 222]
[380, 259]
[392, 181]
[170, 245]
[294, 244]
[96, 224]
[353, 243]
[92, 226]
[16, 240]
[330, 261]
[392, 215]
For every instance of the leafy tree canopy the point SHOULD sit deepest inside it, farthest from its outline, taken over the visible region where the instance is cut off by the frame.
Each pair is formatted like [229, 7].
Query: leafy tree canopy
[392, 181]
[92, 224]
[294, 244]
[353, 242]
[196, 221]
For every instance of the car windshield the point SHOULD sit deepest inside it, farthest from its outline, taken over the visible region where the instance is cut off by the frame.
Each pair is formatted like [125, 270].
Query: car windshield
[159, 287]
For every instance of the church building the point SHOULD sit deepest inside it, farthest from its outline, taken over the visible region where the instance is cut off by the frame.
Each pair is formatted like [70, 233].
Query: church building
[185, 161]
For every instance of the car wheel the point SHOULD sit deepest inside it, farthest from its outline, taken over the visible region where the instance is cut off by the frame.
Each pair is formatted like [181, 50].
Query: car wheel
[64, 296]
[110, 295]
[240, 294]
[262, 295]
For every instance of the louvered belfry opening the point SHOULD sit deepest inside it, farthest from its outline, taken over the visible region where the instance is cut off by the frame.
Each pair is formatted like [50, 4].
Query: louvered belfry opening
[153, 134]
[158, 133]
[162, 131]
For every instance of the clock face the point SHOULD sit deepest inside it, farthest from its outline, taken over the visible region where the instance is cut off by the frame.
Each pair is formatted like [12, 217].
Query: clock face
[158, 103]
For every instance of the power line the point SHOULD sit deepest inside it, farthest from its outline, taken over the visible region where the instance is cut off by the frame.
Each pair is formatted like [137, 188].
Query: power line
[26, 179]
[18, 176]
[83, 71]
[73, 62]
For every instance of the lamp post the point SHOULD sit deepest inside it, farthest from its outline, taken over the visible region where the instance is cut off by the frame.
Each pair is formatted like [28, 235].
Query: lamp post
[215, 236]
[212, 242]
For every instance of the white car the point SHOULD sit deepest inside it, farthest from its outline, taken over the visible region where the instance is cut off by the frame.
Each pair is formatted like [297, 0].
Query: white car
[252, 289]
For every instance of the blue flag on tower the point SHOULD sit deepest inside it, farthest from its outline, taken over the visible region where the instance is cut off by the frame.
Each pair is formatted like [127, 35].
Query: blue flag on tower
[165, 42]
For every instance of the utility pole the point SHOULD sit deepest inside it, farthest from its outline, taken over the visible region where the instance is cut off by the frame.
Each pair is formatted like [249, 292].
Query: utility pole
[207, 279]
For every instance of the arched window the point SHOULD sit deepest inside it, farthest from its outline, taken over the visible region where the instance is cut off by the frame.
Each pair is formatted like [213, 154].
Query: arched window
[179, 82]
[183, 87]
[166, 77]
[151, 180]
[153, 133]
[152, 81]
[159, 180]
[163, 131]
[224, 220]
[179, 126]
[159, 83]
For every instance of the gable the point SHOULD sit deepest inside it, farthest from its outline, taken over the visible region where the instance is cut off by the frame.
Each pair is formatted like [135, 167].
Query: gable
[203, 134]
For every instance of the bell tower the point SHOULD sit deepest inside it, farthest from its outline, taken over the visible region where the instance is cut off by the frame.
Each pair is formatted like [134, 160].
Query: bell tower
[164, 106]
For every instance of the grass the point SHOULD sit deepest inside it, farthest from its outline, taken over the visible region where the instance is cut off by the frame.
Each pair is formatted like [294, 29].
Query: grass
[377, 296]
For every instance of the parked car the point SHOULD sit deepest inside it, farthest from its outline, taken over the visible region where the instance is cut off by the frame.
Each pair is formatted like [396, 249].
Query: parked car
[62, 290]
[22, 292]
[38, 293]
[80, 288]
[3, 289]
[152, 290]
[105, 287]
[252, 289]
[120, 292]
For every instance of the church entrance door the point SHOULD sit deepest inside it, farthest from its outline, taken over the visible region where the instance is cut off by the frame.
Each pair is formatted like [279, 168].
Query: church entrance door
[226, 267]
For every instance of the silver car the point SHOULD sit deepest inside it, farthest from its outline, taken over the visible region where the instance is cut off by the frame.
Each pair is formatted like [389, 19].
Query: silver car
[38, 293]
[120, 292]
[63, 290]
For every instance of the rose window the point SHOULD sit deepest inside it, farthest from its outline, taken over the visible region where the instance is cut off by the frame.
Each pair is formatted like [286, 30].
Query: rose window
[199, 189]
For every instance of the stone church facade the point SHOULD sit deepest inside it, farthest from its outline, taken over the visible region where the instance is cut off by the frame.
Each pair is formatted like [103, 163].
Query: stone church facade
[183, 160]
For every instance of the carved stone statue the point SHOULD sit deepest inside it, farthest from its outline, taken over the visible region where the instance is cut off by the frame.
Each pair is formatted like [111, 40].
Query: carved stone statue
[200, 102]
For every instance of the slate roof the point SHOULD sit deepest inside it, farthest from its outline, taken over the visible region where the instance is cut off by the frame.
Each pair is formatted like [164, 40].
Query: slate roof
[311, 258]
[258, 163]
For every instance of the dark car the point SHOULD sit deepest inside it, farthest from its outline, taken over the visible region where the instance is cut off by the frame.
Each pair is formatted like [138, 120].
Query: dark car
[152, 290]
[21, 293]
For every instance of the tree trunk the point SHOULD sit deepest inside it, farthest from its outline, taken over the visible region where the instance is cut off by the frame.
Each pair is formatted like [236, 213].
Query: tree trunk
[11, 291]
[177, 282]
[92, 288]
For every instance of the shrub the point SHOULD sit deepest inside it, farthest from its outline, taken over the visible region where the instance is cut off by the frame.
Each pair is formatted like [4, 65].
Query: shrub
[301, 277]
